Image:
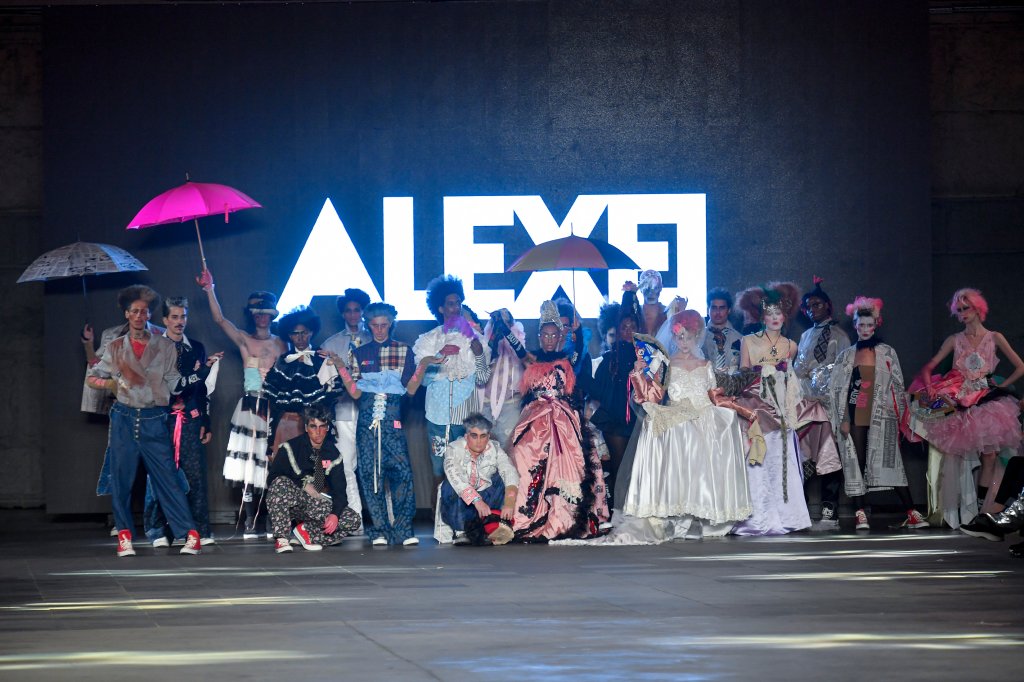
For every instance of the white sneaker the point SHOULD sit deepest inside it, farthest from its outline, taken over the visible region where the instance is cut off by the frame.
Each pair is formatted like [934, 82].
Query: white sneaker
[377, 542]
[161, 541]
[207, 541]
[409, 542]
[460, 538]
[282, 545]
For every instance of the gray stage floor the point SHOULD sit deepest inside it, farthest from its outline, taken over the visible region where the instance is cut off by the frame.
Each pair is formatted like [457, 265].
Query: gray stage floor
[931, 605]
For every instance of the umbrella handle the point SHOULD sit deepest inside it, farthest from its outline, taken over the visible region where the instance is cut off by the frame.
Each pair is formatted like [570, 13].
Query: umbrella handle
[199, 237]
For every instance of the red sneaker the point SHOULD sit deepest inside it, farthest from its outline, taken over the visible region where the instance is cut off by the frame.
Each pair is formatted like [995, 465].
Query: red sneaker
[302, 535]
[281, 545]
[124, 544]
[192, 545]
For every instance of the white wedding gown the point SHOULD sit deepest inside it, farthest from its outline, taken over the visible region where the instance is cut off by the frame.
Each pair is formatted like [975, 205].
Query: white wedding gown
[689, 477]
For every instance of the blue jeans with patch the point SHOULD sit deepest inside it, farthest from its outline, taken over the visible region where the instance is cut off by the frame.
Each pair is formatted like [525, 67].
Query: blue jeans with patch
[438, 443]
[142, 433]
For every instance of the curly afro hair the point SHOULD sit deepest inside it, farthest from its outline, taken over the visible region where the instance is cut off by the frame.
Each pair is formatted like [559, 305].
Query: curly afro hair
[138, 292]
[441, 288]
[353, 296]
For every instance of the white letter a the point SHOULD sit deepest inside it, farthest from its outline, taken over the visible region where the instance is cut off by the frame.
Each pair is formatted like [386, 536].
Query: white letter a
[328, 264]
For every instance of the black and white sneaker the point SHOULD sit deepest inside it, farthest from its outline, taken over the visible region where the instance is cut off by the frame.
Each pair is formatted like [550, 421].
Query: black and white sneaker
[828, 520]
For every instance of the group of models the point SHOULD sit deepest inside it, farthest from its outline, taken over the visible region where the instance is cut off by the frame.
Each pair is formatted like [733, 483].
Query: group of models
[682, 428]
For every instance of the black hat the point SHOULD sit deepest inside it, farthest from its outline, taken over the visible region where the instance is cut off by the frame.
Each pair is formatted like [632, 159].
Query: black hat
[262, 302]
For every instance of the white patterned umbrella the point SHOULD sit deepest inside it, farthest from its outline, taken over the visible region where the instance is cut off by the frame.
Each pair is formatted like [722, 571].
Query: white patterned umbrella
[80, 259]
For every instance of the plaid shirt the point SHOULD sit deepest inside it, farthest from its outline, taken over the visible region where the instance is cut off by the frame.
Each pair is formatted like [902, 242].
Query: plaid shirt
[374, 357]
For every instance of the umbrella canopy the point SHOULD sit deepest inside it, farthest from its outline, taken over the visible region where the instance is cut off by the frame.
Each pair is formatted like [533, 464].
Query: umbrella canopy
[573, 253]
[190, 201]
[79, 259]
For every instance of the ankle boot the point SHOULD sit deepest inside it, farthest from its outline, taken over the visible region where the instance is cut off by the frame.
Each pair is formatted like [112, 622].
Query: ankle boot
[1011, 518]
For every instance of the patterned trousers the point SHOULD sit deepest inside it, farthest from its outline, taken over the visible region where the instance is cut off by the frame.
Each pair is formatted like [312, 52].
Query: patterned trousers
[394, 474]
[191, 462]
[287, 503]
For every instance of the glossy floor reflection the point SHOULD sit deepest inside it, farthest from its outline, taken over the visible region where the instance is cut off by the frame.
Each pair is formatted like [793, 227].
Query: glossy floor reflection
[929, 605]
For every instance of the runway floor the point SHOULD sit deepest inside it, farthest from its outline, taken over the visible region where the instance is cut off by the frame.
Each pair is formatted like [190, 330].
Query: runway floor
[927, 605]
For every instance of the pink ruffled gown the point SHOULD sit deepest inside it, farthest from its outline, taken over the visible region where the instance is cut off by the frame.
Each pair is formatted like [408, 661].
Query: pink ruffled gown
[556, 497]
[983, 423]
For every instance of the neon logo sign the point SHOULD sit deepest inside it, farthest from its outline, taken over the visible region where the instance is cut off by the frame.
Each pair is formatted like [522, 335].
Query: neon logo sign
[317, 273]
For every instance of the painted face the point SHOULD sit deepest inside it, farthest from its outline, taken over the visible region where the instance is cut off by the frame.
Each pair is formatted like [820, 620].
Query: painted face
[317, 432]
[865, 326]
[299, 337]
[652, 294]
[451, 307]
[351, 313]
[626, 329]
[175, 322]
[718, 312]
[137, 315]
[380, 327]
[773, 319]
[550, 337]
[817, 309]
[261, 320]
[965, 312]
[476, 440]
[685, 341]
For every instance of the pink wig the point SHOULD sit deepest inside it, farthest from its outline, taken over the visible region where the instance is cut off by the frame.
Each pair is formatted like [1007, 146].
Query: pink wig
[864, 306]
[690, 320]
[971, 297]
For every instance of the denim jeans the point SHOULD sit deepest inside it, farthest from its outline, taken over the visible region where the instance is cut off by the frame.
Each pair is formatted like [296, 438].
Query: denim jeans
[436, 432]
[141, 433]
[191, 477]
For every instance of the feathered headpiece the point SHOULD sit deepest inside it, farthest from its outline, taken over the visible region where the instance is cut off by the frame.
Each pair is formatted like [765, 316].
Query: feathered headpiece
[549, 315]
[816, 292]
[755, 301]
[864, 305]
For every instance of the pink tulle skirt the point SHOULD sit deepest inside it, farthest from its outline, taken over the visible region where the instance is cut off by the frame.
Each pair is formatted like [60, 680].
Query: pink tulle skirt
[988, 427]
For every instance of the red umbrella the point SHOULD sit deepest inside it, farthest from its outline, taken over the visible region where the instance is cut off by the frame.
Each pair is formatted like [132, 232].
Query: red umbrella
[573, 253]
[191, 201]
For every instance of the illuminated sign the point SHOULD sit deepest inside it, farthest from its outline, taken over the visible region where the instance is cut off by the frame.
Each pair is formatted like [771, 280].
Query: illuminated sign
[317, 271]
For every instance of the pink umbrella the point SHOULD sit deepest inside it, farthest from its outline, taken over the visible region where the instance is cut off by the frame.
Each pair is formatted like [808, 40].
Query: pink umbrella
[191, 201]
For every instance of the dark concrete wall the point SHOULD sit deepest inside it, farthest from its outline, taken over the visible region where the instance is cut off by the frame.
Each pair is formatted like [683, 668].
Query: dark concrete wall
[21, 220]
[977, 102]
[806, 124]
